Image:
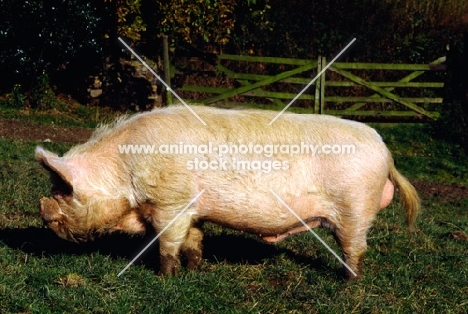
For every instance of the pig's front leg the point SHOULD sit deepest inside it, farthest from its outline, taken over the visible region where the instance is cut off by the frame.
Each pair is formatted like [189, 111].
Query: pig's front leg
[179, 235]
[192, 247]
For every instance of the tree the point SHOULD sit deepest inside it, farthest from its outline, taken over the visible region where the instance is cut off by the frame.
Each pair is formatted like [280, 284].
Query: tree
[38, 36]
[198, 22]
[129, 21]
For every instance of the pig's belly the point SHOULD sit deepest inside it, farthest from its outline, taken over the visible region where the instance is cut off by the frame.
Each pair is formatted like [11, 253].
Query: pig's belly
[311, 223]
[267, 218]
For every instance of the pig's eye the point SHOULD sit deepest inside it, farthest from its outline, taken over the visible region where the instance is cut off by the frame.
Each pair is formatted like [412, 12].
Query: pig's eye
[58, 195]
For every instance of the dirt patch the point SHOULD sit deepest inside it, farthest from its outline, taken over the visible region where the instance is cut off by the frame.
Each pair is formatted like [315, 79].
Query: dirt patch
[446, 192]
[27, 131]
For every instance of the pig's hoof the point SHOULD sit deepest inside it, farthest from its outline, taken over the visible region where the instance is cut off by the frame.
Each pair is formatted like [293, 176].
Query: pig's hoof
[352, 277]
[169, 265]
[194, 258]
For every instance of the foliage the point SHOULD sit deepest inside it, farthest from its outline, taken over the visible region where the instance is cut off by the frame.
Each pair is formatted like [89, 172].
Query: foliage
[42, 95]
[15, 99]
[41, 35]
[253, 26]
[386, 31]
[198, 22]
[448, 13]
[129, 21]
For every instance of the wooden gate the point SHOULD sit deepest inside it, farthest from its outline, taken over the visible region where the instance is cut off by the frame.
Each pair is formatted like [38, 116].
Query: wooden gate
[422, 102]
[345, 89]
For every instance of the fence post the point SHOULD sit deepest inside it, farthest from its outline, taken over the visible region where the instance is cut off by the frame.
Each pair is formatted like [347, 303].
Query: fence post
[167, 69]
[322, 86]
[317, 87]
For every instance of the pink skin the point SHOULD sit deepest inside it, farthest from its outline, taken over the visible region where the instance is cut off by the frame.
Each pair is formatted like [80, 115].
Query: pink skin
[387, 197]
[387, 194]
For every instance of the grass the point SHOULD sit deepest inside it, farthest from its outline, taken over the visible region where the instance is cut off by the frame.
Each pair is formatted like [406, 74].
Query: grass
[403, 273]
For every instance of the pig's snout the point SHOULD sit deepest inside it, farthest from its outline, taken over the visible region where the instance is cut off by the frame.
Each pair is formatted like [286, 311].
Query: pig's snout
[50, 209]
[54, 219]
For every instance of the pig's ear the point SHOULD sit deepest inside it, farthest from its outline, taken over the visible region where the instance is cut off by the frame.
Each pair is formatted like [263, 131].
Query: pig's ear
[61, 173]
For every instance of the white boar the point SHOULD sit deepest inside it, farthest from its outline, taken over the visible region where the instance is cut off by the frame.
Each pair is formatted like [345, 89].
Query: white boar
[144, 170]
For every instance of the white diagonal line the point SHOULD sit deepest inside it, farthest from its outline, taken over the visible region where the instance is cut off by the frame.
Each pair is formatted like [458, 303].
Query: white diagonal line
[161, 80]
[161, 232]
[312, 231]
[312, 82]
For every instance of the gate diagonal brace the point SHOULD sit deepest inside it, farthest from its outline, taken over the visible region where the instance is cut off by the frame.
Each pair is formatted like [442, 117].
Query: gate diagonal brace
[384, 93]
[258, 84]
[406, 79]
[257, 92]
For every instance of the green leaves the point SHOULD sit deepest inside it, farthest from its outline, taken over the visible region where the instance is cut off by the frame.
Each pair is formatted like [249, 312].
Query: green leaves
[198, 21]
[129, 21]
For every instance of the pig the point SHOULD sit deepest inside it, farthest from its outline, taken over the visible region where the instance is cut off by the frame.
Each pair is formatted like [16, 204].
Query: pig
[99, 187]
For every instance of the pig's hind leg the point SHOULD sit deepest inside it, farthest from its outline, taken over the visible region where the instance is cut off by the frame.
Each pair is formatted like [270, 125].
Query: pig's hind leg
[351, 235]
[353, 243]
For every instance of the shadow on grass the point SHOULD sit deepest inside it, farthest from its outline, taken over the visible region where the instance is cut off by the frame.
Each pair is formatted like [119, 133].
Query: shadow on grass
[231, 249]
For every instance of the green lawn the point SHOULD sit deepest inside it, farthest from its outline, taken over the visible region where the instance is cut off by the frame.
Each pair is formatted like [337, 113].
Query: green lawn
[425, 272]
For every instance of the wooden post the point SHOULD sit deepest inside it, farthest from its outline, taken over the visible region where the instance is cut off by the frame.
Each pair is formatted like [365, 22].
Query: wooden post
[317, 87]
[167, 69]
[322, 86]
